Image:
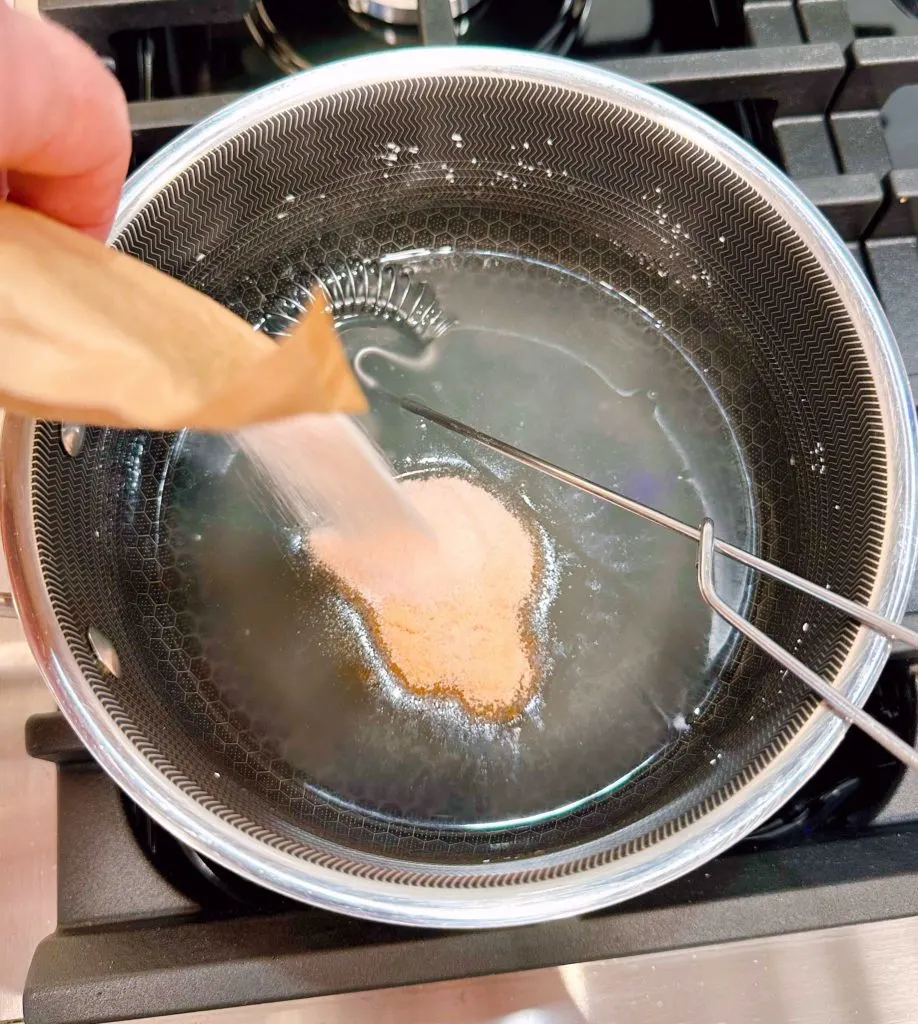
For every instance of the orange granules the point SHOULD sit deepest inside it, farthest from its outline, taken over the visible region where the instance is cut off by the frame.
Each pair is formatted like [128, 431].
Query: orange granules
[447, 610]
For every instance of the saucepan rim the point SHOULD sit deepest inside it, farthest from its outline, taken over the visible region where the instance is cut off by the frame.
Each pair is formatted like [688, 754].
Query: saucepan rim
[557, 894]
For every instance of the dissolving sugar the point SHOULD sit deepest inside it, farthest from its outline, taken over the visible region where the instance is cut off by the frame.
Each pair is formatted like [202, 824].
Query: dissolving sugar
[448, 611]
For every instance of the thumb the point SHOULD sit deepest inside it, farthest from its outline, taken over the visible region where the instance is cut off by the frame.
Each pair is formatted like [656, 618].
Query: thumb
[64, 134]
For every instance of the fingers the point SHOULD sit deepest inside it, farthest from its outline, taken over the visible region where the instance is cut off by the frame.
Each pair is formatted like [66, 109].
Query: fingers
[64, 134]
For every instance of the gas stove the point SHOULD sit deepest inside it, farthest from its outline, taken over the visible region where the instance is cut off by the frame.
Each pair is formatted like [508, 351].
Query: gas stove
[823, 895]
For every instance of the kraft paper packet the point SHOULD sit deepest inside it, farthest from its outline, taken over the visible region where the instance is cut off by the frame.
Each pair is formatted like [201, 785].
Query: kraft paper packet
[91, 335]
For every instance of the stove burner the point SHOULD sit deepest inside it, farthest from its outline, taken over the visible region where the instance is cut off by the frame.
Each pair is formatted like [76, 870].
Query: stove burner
[402, 12]
[295, 39]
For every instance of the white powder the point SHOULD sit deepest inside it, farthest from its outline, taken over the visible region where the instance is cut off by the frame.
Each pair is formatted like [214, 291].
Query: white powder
[323, 470]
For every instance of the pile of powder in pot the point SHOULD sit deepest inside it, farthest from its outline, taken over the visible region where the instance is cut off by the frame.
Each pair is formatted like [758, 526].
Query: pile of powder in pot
[448, 610]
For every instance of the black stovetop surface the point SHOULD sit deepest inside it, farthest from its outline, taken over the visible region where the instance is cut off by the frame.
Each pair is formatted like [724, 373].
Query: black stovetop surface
[828, 89]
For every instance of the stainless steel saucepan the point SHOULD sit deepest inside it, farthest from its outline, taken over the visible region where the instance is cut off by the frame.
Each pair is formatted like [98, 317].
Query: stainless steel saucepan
[625, 289]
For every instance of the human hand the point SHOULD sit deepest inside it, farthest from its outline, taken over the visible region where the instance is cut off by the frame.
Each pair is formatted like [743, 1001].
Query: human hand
[65, 140]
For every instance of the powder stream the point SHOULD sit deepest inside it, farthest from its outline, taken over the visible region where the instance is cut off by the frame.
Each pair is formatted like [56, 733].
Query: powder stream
[324, 469]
